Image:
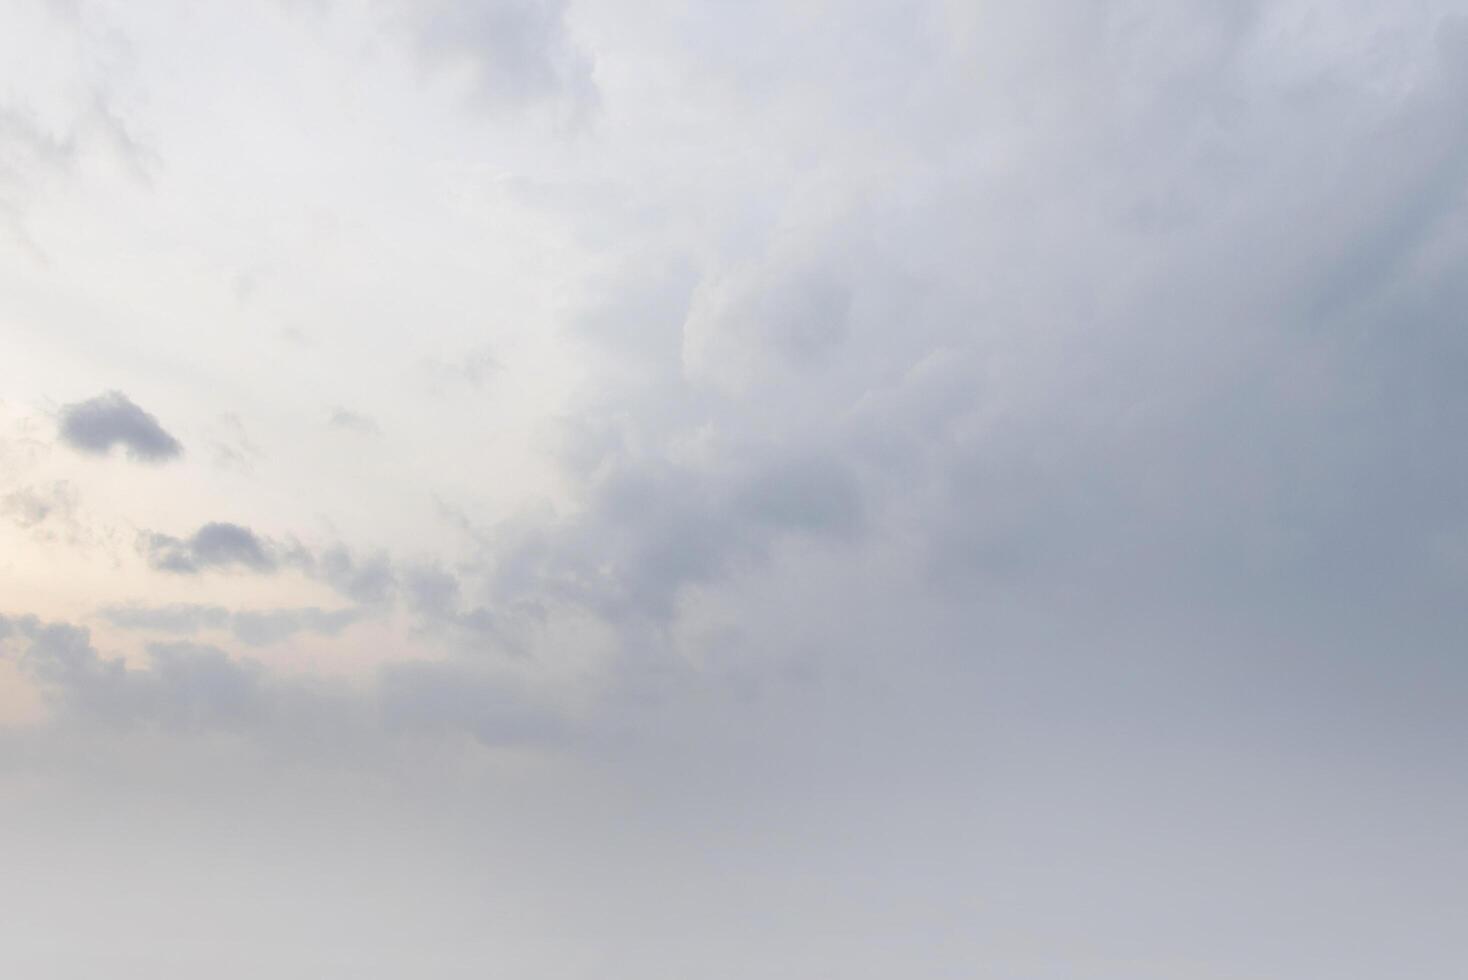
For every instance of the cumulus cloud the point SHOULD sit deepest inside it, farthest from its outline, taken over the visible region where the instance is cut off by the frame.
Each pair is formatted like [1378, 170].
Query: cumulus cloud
[98, 424]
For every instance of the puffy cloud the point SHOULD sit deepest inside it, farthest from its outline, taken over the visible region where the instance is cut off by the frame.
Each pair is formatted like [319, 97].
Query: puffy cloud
[98, 424]
[215, 545]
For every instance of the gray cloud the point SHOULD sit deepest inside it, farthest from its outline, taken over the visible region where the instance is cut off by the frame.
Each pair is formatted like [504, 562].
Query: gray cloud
[255, 627]
[97, 425]
[182, 618]
[514, 53]
[48, 511]
[258, 627]
[1010, 511]
[371, 581]
[445, 699]
[215, 545]
[189, 687]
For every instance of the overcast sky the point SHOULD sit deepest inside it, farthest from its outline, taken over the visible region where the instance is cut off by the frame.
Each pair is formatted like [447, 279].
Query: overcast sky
[773, 490]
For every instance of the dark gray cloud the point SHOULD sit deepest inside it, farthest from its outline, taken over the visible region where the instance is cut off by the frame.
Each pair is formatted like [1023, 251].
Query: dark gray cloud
[215, 545]
[99, 424]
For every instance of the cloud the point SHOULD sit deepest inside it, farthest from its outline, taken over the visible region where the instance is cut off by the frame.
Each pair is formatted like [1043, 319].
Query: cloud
[785, 314]
[371, 581]
[182, 618]
[262, 626]
[473, 369]
[503, 54]
[97, 425]
[354, 423]
[47, 510]
[255, 627]
[188, 688]
[192, 688]
[215, 545]
[448, 699]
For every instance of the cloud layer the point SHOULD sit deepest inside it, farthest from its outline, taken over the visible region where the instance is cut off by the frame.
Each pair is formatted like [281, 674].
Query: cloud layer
[766, 490]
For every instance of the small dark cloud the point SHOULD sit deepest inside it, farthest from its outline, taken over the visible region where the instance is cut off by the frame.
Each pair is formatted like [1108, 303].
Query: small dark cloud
[97, 425]
[215, 545]
[353, 422]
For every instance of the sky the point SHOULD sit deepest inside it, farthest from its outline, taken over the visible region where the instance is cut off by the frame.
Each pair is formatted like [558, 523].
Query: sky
[563, 489]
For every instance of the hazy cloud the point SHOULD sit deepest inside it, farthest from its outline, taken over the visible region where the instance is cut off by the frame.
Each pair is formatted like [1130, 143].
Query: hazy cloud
[353, 422]
[473, 369]
[183, 618]
[503, 53]
[261, 626]
[253, 626]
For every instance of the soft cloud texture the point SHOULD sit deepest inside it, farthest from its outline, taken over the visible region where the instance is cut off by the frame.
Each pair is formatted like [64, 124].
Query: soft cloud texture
[99, 424]
[929, 490]
[217, 544]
